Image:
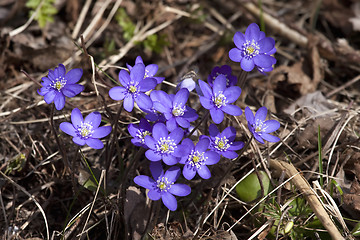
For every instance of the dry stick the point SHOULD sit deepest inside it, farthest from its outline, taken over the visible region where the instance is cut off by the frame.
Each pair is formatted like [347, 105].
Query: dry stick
[304, 187]
[348, 84]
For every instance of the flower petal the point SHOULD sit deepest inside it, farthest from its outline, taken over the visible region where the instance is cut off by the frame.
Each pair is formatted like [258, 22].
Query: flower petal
[76, 117]
[137, 72]
[150, 142]
[212, 157]
[143, 101]
[252, 32]
[172, 174]
[79, 141]
[152, 156]
[71, 90]
[183, 122]
[49, 97]
[271, 126]
[169, 201]
[144, 181]
[235, 55]
[206, 102]
[219, 84]
[160, 131]
[266, 44]
[68, 128]
[230, 154]
[181, 97]
[151, 69]
[124, 77]
[216, 115]
[147, 84]
[73, 76]
[204, 172]
[261, 114]
[189, 172]
[94, 143]
[232, 93]
[202, 145]
[270, 138]
[128, 103]
[179, 189]
[177, 135]
[232, 110]
[263, 60]
[247, 64]
[60, 70]
[249, 115]
[213, 130]
[239, 39]
[156, 169]
[154, 195]
[258, 138]
[205, 89]
[171, 124]
[170, 160]
[59, 101]
[117, 93]
[101, 132]
[94, 119]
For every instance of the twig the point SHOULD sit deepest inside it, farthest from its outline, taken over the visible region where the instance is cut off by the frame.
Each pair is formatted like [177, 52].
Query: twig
[304, 187]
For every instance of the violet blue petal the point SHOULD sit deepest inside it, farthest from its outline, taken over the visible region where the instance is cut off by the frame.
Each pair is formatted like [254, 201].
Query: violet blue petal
[144, 181]
[235, 55]
[154, 195]
[68, 128]
[169, 201]
[94, 143]
[204, 172]
[179, 189]
[73, 76]
[101, 132]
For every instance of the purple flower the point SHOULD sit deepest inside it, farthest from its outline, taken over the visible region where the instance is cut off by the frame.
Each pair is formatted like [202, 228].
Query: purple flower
[174, 109]
[59, 84]
[164, 145]
[139, 132]
[218, 99]
[152, 114]
[164, 185]
[198, 158]
[133, 88]
[86, 132]
[150, 70]
[223, 142]
[261, 128]
[252, 49]
[225, 70]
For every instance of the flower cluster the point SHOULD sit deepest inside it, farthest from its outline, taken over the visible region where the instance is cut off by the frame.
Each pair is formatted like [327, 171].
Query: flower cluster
[58, 85]
[166, 130]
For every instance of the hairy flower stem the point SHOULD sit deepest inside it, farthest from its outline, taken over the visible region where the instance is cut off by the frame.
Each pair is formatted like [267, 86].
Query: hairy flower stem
[58, 141]
[242, 78]
[197, 125]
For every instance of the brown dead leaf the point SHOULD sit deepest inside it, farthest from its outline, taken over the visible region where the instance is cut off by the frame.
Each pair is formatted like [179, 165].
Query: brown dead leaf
[352, 200]
[337, 13]
[136, 212]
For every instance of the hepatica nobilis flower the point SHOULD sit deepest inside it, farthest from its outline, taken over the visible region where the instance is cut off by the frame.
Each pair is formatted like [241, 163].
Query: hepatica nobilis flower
[139, 132]
[252, 49]
[86, 131]
[174, 109]
[133, 88]
[59, 84]
[218, 98]
[198, 158]
[163, 145]
[163, 185]
[223, 142]
[261, 128]
[225, 70]
[150, 70]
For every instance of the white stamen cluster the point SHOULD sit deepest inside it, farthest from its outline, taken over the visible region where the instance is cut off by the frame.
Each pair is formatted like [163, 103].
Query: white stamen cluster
[178, 110]
[260, 126]
[142, 134]
[59, 83]
[163, 184]
[85, 130]
[250, 49]
[222, 144]
[219, 100]
[165, 145]
[196, 159]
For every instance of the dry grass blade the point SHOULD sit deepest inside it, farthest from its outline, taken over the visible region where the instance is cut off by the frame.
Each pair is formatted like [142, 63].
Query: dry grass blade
[32, 198]
[304, 187]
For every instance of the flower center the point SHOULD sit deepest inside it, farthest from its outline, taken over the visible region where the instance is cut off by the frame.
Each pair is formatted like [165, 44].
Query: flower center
[59, 83]
[85, 130]
[260, 126]
[221, 144]
[219, 100]
[163, 184]
[196, 159]
[141, 134]
[165, 145]
[133, 89]
[178, 110]
[250, 49]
